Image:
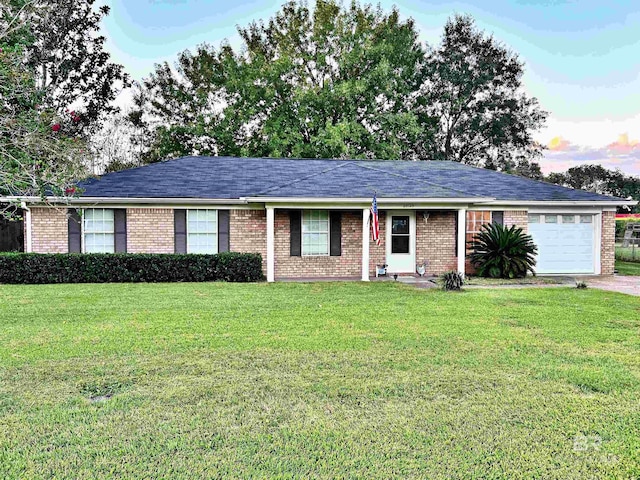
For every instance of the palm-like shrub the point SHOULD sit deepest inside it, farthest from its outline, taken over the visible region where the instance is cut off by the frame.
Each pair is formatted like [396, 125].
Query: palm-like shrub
[501, 252]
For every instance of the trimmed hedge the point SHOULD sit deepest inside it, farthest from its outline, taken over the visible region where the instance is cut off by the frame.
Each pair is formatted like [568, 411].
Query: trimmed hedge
[23, 268]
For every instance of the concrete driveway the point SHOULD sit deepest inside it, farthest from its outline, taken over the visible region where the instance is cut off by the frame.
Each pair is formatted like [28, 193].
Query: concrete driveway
[618, 283]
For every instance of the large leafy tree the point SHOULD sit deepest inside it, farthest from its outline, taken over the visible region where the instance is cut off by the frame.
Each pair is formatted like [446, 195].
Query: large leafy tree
[65, 51]
[355, 82]
[327, 82]
[56, 84]
[474, 96]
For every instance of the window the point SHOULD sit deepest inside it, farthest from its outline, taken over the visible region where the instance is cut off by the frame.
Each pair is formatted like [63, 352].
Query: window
[568, 219]
[315, 232]
[586, 218]
[98, 230]
[550, 219]
[400, 234]
[202, 231]
[475, 220]
[534, 218]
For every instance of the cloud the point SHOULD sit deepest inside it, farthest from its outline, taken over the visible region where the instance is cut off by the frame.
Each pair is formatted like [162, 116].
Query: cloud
[624, 154]
[558, 144]
[623, 145]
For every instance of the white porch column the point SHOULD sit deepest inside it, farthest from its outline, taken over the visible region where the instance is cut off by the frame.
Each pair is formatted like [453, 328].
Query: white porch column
[28, 243]
[462, 236]
[365, 244]
[271, 260]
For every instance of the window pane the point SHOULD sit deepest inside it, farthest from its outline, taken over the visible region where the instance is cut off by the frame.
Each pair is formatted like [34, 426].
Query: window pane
[586, 218]
[568, 219]
[98, 230]
[550, 219]
[400, 225]
[315, 232]
[534, 218]
[400, 244]
[202, 221]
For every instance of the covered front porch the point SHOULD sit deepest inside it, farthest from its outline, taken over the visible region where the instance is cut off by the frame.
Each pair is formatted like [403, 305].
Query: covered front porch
[411, 234]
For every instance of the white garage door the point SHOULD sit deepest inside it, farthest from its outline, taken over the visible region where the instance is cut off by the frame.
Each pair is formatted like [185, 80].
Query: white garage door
[566, 243]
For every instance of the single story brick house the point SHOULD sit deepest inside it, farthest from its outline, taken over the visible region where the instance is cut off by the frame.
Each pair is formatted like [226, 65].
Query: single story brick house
[310, 218]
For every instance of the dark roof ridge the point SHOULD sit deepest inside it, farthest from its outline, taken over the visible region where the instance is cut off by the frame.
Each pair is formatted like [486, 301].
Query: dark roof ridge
[421, 181]
[346, 162]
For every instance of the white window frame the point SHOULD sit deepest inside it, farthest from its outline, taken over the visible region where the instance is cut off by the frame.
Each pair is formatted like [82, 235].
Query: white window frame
[214, 233]
[305, 215]
[95, 232]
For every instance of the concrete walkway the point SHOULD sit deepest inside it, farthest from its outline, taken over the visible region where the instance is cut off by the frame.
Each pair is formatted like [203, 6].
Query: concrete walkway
[618, 283]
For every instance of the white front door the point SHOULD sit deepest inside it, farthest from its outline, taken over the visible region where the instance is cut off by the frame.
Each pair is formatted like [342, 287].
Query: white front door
[401, 241]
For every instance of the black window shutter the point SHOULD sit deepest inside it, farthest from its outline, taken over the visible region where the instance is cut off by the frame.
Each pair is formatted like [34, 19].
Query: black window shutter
[497, 217]
[75, 231]
[180, 230]
[456, 230]
[120, 221]
[335, 233]
[295, 229]
[223, 230]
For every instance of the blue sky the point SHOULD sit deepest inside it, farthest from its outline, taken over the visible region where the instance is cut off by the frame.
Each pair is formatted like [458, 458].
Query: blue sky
[582, 58]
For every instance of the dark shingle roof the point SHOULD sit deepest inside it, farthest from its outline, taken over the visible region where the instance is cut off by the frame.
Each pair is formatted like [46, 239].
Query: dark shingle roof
[233, 178]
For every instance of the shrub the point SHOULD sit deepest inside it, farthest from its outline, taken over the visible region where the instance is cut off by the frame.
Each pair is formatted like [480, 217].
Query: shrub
[502, 252]
[128, 267]
[452, 280]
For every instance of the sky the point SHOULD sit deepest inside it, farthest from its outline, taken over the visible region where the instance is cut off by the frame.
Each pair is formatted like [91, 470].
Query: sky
[582, 58]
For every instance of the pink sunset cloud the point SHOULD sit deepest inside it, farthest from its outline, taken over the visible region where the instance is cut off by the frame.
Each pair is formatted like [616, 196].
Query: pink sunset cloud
[623, 154]
[623, 145]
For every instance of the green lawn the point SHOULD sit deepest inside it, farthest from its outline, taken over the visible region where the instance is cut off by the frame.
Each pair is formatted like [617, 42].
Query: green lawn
[317, 380]
[628, 268]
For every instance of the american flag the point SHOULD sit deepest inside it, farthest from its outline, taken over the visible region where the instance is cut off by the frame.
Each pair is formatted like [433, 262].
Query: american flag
[375, 223]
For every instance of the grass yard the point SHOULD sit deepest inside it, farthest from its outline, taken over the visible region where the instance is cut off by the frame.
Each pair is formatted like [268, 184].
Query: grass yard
[317, 380]
[628, 268]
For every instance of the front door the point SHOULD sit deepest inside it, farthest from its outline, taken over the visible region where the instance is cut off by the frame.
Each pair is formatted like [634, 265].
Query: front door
[401, 241]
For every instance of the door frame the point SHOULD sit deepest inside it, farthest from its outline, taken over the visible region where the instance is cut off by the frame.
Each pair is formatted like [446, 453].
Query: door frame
[412, 240]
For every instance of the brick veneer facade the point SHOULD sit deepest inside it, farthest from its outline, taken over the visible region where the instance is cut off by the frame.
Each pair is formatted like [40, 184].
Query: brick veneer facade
[436, 241]
[348, 264]
[150, 230]
[519, 218]
[49, 230]
[607, 247]
[248, 233]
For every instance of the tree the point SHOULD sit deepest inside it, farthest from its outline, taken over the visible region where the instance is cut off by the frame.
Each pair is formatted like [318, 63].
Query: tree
[56, 83]
[65, 52]
[330, 82]
[38, 157]
[597, 179]
[344, 82]
[473, 95]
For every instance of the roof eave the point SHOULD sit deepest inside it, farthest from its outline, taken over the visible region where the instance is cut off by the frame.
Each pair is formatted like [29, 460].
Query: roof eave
[564, 203]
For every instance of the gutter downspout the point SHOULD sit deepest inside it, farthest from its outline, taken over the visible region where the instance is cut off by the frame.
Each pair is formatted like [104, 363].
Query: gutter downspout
[27, 223]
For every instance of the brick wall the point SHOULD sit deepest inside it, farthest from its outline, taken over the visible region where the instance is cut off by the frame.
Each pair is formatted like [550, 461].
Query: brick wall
[519, 218]
[436, 241]
[608, 248]
[150, 230]
[346, 265]
[49, 230]
[248, 233]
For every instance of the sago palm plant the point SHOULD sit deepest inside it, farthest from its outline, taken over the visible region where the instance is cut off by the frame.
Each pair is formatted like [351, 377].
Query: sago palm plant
[501, 252]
